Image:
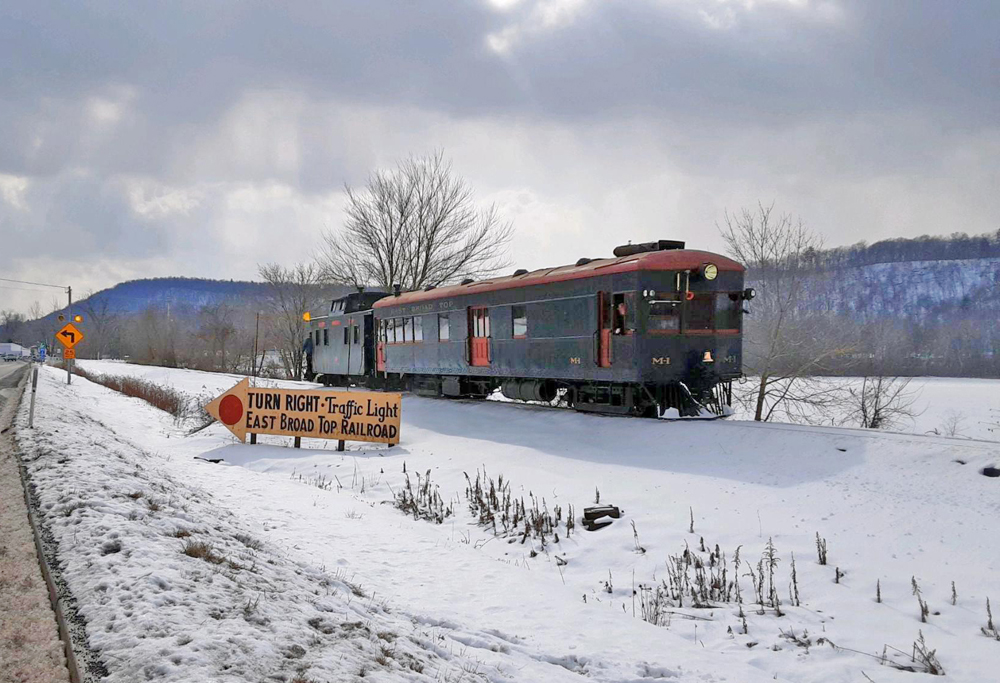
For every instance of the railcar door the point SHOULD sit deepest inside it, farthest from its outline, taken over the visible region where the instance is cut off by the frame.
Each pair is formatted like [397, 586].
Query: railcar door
[479, 336]
[604, 329]
[383, 326]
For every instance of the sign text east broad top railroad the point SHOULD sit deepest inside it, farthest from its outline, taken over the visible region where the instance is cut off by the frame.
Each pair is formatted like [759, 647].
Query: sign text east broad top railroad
[343, 415]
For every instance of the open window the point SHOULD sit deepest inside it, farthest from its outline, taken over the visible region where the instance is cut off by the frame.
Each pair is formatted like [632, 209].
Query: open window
[443, 331]
[519, 320]
[623, 313]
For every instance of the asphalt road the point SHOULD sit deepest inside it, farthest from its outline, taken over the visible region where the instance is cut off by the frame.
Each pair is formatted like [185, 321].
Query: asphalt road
[10, 375]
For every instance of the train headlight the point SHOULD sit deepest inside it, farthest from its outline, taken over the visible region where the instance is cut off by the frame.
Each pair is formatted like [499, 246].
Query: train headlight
[707, 358]
[710, 271]
[749, 293]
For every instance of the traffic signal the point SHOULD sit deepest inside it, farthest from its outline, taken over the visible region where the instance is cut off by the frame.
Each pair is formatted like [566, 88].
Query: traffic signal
[62, 318]
[307, 316]
[78, 318]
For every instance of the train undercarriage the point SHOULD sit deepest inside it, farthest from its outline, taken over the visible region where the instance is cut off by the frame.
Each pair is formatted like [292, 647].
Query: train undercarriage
[699, 399]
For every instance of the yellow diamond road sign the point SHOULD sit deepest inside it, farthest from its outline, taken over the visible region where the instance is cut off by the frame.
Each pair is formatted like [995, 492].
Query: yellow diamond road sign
[69, 336]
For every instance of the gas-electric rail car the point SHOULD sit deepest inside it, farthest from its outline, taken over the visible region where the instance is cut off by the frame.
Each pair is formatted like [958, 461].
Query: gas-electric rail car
[655, 328]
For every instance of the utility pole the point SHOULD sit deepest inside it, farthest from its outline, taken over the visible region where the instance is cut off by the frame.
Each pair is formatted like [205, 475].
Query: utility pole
[256, 334]
[69, 313]
[69, 295]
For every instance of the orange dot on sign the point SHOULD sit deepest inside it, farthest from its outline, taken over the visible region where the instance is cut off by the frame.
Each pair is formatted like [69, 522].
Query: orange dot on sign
[230, 410]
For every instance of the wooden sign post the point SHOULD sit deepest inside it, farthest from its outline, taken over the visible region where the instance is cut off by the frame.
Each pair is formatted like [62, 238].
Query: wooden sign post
[342, 415]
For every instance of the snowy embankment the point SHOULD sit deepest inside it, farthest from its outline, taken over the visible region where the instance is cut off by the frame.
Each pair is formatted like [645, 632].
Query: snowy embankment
[893, 510]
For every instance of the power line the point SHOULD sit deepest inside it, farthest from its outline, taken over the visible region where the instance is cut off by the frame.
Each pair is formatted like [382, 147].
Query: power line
[25, 282]
[26, 289]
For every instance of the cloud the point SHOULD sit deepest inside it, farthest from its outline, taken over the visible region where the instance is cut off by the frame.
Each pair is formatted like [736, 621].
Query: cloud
[204, 138]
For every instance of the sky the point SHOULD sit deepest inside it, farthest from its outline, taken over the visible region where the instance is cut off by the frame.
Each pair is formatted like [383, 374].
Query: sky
[143, 139]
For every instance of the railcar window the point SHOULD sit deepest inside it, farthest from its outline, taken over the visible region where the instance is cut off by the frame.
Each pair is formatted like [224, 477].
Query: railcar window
[443, 327]
[357, 334]
[316, 341]
[347, 335]
[701, 312]
[326, 336]
[664, 316]
[402, 335]
[728, 310]
[623, 313]
[418, 329]
[486, 322]
[519, 317]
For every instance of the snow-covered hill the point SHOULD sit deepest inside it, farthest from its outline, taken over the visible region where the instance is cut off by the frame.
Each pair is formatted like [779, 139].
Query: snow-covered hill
[907, 289]
[467, 603]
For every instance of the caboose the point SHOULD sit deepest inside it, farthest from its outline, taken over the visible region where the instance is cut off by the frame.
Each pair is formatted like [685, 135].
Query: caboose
[656, 328]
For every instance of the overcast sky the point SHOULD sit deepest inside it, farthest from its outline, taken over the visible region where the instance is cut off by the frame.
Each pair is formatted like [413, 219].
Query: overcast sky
[202, 138]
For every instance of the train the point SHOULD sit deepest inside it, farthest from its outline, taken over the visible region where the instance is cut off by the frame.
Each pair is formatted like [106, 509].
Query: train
[656, 330]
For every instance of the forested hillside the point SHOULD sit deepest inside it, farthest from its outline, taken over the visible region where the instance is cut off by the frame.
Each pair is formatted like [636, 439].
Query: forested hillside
[934, 301]
[188, 322]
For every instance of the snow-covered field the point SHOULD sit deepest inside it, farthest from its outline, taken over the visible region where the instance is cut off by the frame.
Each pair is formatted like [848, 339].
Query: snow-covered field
[957, 407]
[312, 536]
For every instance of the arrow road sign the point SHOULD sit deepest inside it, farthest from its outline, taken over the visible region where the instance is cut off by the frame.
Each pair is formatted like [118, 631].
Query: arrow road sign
[228, 409]
[69, 336]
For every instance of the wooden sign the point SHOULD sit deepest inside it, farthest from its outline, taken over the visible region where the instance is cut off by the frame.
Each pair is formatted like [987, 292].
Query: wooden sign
[342, 415]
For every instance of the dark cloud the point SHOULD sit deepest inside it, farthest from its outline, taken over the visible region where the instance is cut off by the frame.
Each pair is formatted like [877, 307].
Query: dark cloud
[133, 131]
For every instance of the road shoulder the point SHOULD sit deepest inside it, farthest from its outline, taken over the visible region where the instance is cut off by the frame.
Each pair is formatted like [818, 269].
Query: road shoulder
[30, 648]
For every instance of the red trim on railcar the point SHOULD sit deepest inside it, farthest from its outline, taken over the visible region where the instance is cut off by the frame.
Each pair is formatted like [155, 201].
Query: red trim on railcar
[673, 259]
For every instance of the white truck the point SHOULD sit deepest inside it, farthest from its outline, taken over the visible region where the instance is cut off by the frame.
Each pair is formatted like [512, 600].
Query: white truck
[10, 351]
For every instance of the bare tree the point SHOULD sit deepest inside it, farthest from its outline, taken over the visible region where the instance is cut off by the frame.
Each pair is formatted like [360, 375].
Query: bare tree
[786, 349]
[103, 322]
[882, 400]
[293, 291]
[216, 327]
[416, 225]
[35, 312]
[12, 322]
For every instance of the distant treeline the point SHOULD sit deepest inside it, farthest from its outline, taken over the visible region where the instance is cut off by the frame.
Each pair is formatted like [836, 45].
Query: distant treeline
[958, 246]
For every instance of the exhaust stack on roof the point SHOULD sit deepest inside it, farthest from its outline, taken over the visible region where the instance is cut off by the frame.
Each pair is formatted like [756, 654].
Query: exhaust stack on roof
[659, 245]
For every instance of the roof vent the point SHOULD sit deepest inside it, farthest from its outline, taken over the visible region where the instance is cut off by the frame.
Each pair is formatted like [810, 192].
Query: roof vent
[520, 271]
[642, 248]
[468, 281]
[583, 261]
[429, 288]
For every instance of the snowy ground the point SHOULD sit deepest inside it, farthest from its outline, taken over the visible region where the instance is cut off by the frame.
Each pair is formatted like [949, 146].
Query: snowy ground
[467, 604]
[957, 407]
